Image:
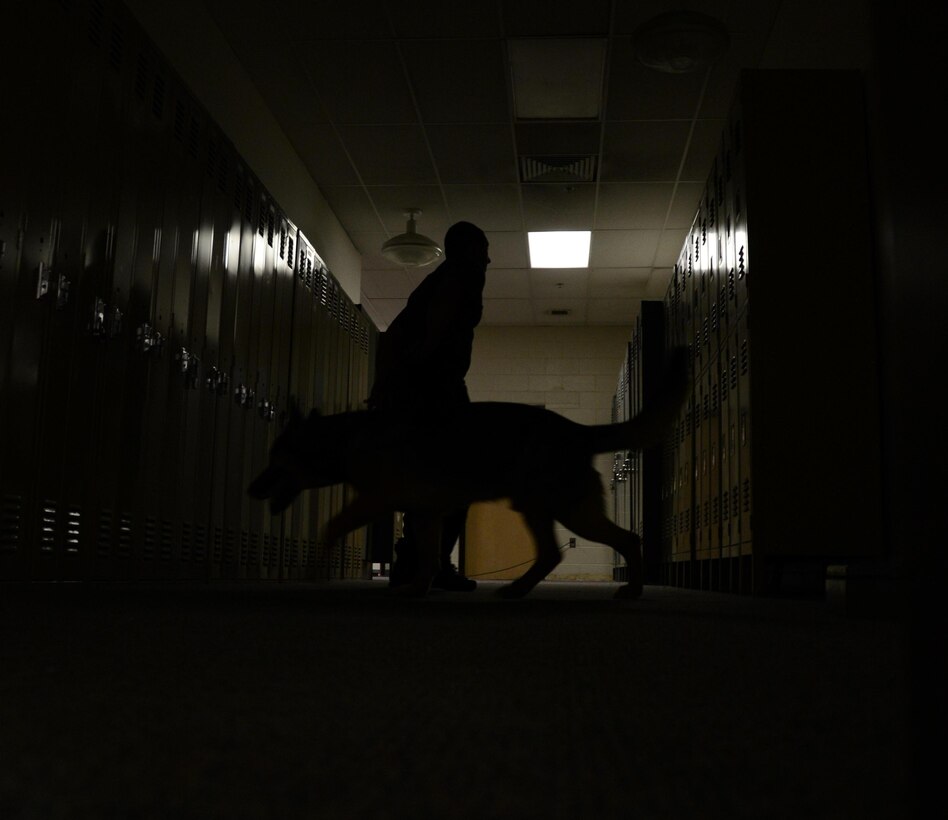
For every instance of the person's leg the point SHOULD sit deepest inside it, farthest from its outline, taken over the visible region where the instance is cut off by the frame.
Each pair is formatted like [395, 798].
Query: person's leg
[406, 554]
[449, 577]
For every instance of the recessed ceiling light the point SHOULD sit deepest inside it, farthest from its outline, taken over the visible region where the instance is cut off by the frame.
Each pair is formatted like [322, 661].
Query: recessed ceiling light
[559, 249]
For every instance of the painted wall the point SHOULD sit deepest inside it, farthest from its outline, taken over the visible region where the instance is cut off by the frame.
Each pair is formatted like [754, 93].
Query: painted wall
[570, 370]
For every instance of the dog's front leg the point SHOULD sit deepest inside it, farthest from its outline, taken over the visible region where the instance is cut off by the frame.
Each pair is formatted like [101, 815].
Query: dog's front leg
[357, 513]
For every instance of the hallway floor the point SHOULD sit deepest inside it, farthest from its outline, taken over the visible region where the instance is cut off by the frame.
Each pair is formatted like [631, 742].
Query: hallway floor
[337, 700]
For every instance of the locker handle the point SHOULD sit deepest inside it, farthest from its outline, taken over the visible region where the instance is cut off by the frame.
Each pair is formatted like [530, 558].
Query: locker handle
[43, 274]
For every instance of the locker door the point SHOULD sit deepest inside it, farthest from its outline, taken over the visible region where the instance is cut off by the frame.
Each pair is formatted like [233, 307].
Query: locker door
[31, 227]
[226, 481]
[301, 389]
[261, 522]
[744, 437]
[714, 459]
[174, 556]
[244, 411]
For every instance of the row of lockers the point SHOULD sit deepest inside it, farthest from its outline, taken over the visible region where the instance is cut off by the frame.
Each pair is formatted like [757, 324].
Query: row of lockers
[159, 312]
[776, 457]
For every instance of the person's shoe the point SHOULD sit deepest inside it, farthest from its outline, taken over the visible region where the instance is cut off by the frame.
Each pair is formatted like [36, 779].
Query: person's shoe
[451, 580]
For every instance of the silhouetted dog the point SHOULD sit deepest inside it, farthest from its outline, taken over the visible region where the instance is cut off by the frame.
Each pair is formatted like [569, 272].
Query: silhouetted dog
[432, 464]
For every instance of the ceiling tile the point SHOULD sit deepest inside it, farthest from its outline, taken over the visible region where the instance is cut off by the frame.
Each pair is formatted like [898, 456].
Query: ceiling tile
[658, 283]
[473, 152]
[543, 311]
[629, 16]
[321, 151]
[361, 81]
[353, 207]
[639, 93]
[555, 78]
[387, 310]
[393, 201]
[507, 312]
[558, 207]
[389, 154]
[643, 151]
[507, 283]
[458, 80]
[615, 311]
[669, 248]
[555, 138]
[544, 18]
[437, 19]
[640, 205]
[702, 149]
[508, 249]
[327, 21]
[619, 282]
[560, 283]
[623, 249]
[490, 207]
[685, 205]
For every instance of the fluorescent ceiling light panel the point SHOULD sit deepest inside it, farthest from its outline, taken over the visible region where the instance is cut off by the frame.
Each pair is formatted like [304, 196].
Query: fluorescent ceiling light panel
[559, 249]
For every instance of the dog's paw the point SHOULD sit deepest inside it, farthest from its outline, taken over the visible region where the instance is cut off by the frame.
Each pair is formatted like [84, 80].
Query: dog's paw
[629, 592]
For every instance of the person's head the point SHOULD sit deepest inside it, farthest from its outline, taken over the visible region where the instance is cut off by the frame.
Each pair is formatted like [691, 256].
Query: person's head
[465, 241]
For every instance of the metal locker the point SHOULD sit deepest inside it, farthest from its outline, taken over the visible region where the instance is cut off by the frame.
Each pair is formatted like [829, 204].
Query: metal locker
[262, 526]
[222, 194]
[173, 555]
[744, 436]
[714, 459]
[30, 225]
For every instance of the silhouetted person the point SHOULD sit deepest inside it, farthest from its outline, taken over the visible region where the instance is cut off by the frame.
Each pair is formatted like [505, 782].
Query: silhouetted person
[421, 363]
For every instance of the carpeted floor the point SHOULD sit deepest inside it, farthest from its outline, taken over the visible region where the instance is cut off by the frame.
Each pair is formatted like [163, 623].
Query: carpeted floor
[339, 701]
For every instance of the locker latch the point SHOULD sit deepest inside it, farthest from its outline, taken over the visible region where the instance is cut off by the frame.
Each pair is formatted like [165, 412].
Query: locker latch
[188, 367]
[217, 381]
[43, 274]
[267, 410]
[149, 340]
[62, 292]
[243, 396]
[97, 324]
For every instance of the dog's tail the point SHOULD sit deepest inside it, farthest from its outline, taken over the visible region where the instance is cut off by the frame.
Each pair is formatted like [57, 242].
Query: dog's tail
[650, 426]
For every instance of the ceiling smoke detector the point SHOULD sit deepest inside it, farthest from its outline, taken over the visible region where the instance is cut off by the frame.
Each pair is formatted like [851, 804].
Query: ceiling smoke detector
[680, 42]
[411, 248]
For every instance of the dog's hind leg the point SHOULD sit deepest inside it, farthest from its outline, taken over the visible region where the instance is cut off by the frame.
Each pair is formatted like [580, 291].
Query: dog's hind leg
[587, 518]
[540, 524]
[357, 513]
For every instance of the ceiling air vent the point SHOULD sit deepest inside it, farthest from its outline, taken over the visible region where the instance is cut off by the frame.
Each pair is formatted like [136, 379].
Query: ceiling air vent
[560, 312]
[558, 169]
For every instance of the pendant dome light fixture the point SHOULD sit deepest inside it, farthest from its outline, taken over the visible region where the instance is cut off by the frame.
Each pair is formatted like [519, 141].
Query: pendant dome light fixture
[411, 248]
[679, 42]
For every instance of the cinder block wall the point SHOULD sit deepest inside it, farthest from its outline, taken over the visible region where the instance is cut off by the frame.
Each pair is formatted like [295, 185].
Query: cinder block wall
[570, 370]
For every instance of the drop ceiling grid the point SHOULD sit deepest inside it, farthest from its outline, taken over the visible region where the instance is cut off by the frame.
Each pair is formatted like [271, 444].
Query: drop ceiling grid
[394, 105]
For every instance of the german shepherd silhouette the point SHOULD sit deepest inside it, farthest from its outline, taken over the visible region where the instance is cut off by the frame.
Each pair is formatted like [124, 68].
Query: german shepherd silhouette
[432, 463]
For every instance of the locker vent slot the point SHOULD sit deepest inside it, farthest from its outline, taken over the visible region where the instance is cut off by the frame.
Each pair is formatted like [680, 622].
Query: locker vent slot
[104, 534]
[266, 550]
[158, 98]
[116, 46]
[194, 137]
[150, 540]
[166, 541]
[11, 511]
[48, 526]
[253, 551]
[180, 120]
[218, 548]
[96, 22]
[142, 73]
[124, 536]
[244, 548]
[230, 547]
[200, 543]
[185, 545]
